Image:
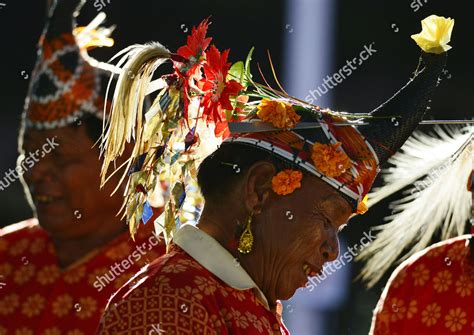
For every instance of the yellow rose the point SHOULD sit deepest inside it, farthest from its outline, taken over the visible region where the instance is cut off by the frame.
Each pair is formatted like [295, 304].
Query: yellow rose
[435, 34]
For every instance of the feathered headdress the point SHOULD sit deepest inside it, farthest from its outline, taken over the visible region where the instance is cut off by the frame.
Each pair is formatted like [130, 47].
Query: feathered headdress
[436, 167]
[206, 98]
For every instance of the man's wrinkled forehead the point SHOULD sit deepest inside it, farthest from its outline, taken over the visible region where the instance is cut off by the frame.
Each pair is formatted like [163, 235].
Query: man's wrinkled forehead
[338, 206]
[331, 201]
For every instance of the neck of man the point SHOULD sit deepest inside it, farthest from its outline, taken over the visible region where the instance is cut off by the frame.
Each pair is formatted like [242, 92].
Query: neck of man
[70, 249]
[223, 230]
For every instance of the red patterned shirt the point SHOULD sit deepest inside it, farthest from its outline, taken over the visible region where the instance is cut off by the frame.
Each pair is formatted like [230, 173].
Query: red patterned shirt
[38, 298]
[197, 288]
[430, 293]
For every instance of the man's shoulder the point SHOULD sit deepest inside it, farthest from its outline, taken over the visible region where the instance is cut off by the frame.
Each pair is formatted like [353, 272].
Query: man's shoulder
[173, 271]
[24, 229]
[21, 239]
[165, 290]
[176, 265]
[417, 270]
[444, 252]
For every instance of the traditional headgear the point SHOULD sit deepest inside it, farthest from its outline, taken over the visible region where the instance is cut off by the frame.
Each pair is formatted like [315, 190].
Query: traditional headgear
[436, 168]
[66, 83]
[342, 149]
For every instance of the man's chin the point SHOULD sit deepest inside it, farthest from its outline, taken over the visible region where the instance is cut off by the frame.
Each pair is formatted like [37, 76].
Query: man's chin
[288, 293]
[287, 296]
[55, 220]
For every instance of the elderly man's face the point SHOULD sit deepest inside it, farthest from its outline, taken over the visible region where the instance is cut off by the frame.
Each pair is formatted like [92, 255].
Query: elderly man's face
[298, 233]
[63, 181]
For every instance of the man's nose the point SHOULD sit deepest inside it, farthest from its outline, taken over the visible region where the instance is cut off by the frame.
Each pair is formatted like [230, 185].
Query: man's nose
[330, 248]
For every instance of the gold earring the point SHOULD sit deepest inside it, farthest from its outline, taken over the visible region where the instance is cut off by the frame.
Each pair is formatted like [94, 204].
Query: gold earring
[246, 239]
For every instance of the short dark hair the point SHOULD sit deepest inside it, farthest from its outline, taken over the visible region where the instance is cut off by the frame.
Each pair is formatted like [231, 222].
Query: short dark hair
[219, 172]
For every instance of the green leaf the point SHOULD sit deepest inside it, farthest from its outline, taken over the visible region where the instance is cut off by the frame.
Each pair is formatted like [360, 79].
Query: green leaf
[236, 72]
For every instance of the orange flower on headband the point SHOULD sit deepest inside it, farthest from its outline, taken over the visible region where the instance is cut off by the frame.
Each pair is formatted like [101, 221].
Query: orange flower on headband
[279, 113]
[329, 160]
[286, 181]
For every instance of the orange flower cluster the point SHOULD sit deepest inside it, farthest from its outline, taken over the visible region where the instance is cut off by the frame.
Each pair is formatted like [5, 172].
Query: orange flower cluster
[286, 181]
[329, 160]
[279, 113]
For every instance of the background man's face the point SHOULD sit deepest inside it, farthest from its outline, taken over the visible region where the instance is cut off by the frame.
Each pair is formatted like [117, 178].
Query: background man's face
[63, 184]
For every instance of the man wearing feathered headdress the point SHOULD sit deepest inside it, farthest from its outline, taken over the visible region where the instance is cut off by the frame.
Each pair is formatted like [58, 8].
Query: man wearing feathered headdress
[286, 178]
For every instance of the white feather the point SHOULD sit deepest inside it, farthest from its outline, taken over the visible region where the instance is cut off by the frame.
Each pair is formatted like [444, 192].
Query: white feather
[437, 167]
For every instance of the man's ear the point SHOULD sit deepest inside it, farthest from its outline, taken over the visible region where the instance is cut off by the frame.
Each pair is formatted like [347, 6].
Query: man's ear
[258, 185]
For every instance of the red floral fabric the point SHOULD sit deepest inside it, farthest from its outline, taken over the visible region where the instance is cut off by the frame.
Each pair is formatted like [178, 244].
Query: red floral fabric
[38, 298]
[430, 293]
[177, 295]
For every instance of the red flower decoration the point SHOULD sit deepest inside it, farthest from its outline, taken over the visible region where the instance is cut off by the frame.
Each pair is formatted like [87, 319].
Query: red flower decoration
[217, 90]
[194, 53]
[197, 42]
[222, 127]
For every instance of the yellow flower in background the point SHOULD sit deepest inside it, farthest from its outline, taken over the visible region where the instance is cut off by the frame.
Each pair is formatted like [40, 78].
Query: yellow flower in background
[279, 113]
[286, 181]
[435, 34]
[329, 160]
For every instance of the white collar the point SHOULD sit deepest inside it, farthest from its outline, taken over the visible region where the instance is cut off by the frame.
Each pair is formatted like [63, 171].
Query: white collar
[215, 258]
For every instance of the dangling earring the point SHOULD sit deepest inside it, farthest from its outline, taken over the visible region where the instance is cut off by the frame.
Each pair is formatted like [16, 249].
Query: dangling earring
[246, 239]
